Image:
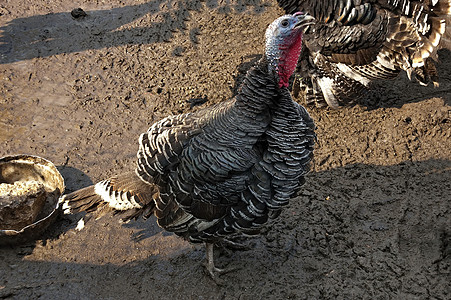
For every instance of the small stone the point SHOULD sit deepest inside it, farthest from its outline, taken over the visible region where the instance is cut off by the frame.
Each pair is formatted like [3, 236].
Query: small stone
[78, 13]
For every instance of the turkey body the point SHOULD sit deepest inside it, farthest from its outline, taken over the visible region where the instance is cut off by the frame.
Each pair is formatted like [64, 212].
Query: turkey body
[225, 169]
[357, 41]
[228, 168]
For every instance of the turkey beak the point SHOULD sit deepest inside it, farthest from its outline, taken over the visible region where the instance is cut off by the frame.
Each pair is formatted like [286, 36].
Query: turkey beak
[304, 21]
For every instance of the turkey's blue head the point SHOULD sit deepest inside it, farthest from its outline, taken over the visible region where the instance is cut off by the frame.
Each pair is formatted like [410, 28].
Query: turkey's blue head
[284, 43]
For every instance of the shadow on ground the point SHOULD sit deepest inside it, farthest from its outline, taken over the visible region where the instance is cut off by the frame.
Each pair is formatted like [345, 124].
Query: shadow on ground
[355, 231]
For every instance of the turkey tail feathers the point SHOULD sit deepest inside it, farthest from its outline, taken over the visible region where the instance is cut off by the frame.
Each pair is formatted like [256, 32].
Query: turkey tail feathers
[121, 193]
[82, 200]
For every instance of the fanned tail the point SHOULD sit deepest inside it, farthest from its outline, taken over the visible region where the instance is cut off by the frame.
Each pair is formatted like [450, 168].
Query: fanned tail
[125, 193]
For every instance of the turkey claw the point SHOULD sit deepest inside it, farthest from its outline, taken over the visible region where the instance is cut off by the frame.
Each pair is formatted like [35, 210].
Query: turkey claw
[216, 272]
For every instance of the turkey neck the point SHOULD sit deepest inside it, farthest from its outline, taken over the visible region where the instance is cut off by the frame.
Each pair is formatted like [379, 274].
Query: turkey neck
[259, 92]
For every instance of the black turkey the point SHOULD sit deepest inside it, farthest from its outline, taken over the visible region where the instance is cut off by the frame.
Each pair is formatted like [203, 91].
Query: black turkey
[357, 41]
[222, 170]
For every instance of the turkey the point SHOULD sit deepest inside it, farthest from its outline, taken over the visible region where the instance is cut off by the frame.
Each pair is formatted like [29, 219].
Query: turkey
[357, 41]
[226, 169]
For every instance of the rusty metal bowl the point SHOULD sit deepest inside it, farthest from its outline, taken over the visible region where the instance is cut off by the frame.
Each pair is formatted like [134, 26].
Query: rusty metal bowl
[25, 168]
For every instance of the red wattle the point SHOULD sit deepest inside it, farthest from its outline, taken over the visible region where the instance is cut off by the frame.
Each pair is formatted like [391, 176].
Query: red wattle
[288, 61]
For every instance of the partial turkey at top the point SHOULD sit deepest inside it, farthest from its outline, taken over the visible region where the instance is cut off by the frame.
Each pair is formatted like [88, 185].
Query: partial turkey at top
[357, 41]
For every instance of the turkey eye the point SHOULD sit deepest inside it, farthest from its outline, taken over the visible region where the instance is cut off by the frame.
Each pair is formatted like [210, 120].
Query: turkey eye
[285, 23]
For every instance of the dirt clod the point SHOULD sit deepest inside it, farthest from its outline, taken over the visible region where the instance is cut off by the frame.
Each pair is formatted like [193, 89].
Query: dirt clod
[78, 13]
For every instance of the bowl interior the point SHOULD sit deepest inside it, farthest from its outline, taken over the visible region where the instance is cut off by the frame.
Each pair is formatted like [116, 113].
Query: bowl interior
[31, 168]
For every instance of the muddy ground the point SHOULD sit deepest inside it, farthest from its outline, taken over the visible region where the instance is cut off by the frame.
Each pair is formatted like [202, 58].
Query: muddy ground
[372, 221]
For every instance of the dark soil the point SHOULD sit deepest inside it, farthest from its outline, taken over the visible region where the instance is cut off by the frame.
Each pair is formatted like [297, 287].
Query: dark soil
[372, 222]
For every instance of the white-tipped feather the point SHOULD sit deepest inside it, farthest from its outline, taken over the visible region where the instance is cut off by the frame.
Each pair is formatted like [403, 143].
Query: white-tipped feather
[66, 208]
[327, 86]
[353, 75]
[117, 200]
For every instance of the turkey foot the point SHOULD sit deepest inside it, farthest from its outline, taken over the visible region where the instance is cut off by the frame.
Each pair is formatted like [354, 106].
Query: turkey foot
[210, 266]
